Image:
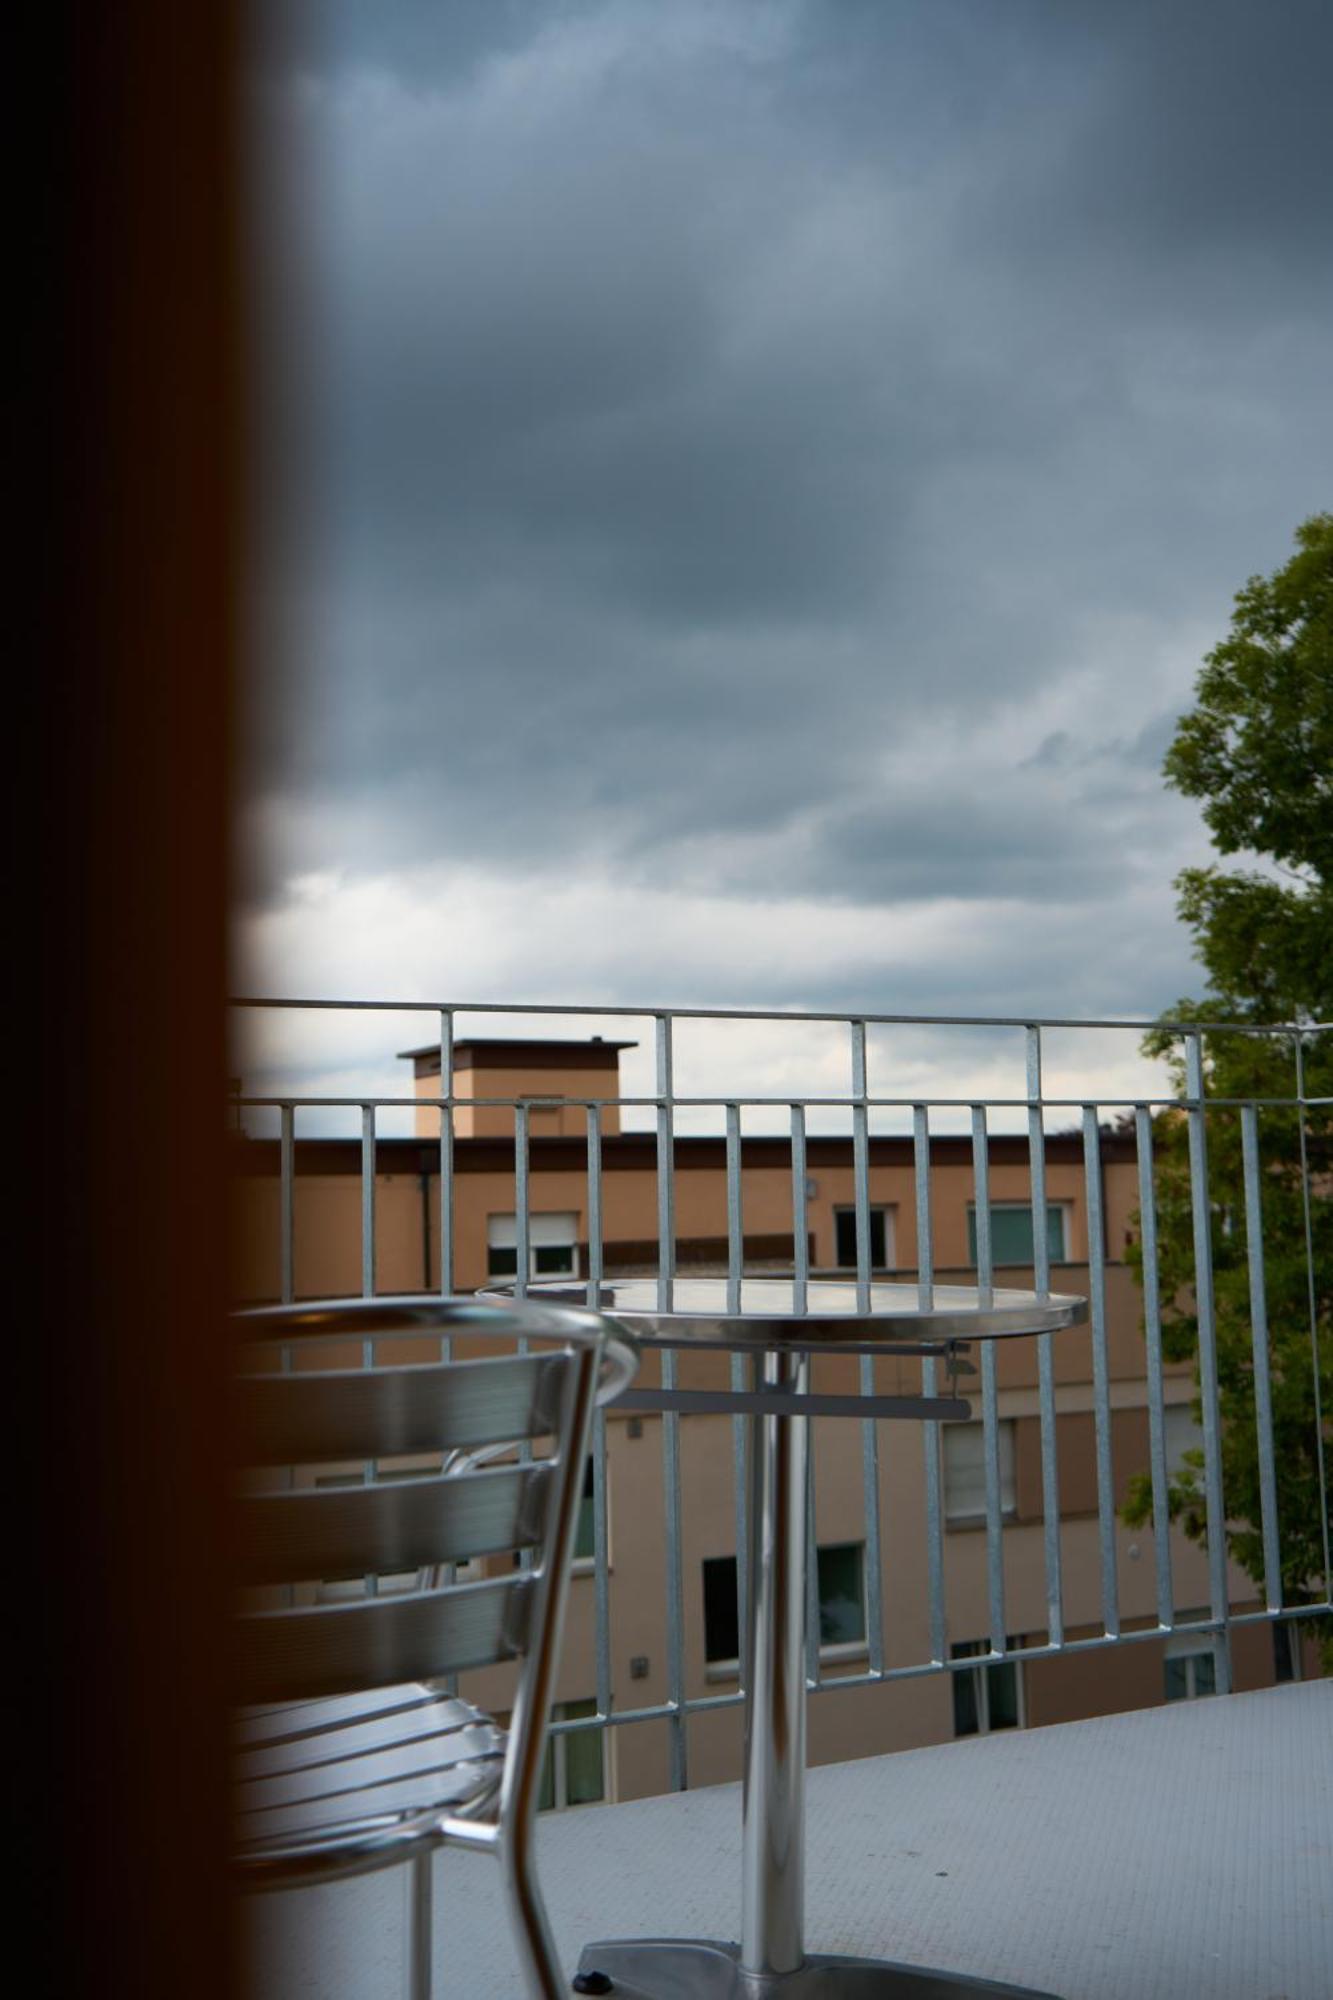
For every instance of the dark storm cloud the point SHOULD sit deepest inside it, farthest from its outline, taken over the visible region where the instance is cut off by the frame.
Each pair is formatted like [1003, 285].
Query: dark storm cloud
[706, 401]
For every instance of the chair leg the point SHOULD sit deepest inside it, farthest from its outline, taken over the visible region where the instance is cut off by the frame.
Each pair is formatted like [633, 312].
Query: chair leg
[543, 1973]
[419, 1927]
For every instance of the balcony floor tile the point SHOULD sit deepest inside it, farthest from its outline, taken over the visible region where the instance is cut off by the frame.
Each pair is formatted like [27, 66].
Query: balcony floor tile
[1181, 1853]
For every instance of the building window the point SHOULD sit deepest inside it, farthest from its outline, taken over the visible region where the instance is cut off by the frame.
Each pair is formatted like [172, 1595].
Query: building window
[987, 1698]
[881, 1238]
[552, 1246]
[842, 1605]
[722, 1646]
[585, 1530]
[842, 1597]
[965, 1471]
[574, 1772]
[1011, 1236]
[1188, 1669]
[1286, 1653]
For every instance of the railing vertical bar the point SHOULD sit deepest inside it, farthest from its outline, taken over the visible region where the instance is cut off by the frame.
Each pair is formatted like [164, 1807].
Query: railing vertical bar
[367, 1201]
[735, 1217]
[1041, 1275]
[1101, 1373]
[448, 1571]
[287, 1475]
[287, 1204]
[811, 1563]
[666, 1163]
[675, 1607]
[740, 1458]
[874, 1579]
[931, 1447]
[1152, 1325]
[522, 1201]
[522, 1253]
[861, 1164]
[447, 1253]
[369, 1469]
[981, 1203]
[990, 1396]
[1214, 1504]
[1041, 1235]
[1301, 1102]
[739, 1427]
[869, 1429]
[596, 1271]
[601, 1560]
[925, 1230]
[1263, 1401]
[666, 1271]
[800, 1211]
[601, 1540]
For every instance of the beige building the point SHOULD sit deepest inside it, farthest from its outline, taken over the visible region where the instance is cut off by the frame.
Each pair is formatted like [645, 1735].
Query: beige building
[327, 1256]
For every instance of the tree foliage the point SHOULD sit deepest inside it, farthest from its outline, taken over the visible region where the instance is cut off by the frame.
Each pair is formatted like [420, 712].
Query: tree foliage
[1257, 751]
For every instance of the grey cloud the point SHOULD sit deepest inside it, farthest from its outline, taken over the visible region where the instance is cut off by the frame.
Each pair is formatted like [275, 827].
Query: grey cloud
[1144, 751]
[1020, 848]
[704, 409]
[1052, 753]
[1147, 749]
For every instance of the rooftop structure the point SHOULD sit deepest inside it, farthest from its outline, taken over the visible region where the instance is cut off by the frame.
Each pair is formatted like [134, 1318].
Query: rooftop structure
[553, 1078]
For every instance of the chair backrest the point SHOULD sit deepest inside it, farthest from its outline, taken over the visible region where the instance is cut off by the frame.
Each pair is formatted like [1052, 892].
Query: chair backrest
[296, 1415]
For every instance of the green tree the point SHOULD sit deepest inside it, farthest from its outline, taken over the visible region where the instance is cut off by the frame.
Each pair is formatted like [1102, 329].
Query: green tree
[1257, 750]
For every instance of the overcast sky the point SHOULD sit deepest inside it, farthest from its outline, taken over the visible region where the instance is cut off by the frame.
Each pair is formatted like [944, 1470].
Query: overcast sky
[758, 480]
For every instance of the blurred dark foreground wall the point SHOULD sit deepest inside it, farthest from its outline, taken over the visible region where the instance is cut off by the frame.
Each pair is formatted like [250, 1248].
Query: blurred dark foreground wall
[120, 720]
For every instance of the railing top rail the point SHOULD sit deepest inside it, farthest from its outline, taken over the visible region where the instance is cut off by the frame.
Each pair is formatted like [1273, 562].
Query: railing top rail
[841, 1017]
[751, 1101]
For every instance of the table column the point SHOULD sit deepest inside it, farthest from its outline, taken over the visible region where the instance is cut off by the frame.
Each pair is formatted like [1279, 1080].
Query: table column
[773, 1838]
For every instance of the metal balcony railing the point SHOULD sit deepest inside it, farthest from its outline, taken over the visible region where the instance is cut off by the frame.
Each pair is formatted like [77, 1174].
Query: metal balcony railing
[1273, 1142]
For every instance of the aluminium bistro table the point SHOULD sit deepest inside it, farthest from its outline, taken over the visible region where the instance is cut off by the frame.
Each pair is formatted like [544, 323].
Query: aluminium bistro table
[763, 1317]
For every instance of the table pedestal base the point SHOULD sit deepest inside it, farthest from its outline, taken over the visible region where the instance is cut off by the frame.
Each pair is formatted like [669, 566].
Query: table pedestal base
[689, 1969]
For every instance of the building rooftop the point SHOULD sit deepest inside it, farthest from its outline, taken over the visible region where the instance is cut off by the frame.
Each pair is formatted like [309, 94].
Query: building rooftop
[1178, 1853]
[508, 1052]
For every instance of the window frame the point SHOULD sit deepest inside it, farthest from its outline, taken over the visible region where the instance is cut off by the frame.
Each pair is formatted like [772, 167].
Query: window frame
[889, 1211]
[569, 1240]
[556, 1758]
[976, 1517]
[979, 1675]
[586, 1565]
[1062, 1209]
[832, 1652]
[1184, 1650]
[1291, 1639]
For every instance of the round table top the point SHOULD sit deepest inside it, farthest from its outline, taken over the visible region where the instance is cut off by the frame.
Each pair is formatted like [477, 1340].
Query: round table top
[762, 1313]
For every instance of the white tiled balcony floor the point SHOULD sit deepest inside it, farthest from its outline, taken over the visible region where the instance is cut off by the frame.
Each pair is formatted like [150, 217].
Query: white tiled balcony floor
[1182, 1853]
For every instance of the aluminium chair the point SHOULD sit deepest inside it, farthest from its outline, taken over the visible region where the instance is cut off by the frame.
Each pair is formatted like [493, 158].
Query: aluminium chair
[352, 1752]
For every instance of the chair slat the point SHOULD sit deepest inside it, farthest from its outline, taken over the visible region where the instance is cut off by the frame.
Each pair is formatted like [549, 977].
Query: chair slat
[308, 1417]
[358, 1735]
[382, 1764]
[282, 1722]
[336, 1648]
[432, 1790]
[360, 1530]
